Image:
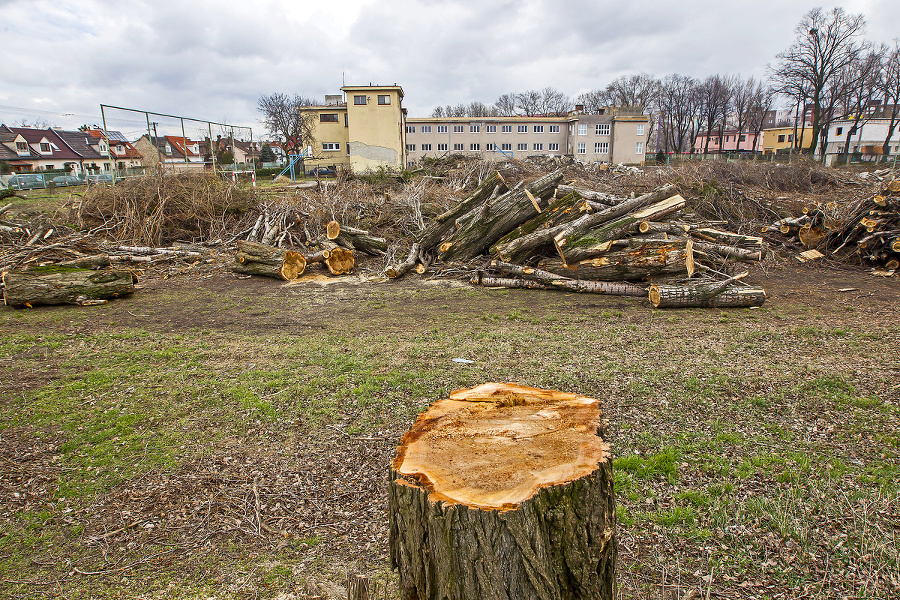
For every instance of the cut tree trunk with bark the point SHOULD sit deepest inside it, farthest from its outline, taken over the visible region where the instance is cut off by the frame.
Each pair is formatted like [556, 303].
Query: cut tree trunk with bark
[400, 269]
[518, 249]
[253, 258]
[575, 244]
[355, 239]
[54, 284]
[728, 238]
[625, 265]
[740, 254]
[486, 224]
[593, 196]
[553, 280]
[507, 282]
[504, 492]
[339, 260]
[561, 211]
[96, 261]
[445, 222]
[707, 295]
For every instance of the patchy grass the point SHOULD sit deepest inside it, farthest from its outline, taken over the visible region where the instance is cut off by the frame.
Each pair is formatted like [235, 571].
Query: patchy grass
[239, 449]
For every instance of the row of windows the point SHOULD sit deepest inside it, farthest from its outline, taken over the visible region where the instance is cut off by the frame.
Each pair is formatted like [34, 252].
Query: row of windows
[476, 128]
[603, 148]
[475, 147]
[362, 99]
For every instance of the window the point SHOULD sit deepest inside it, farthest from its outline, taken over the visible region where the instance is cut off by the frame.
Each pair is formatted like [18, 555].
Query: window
[45, 147]
[22, 146]
[791, 137]
[331, 146]
[106, 166]
[538, 129]
[743, 138]
[553, 147]
[601, 148]
[640, 129]
[537, 146]
[410, 129]
[639, 148]
[571, 129]
[457, 146]
[426, 128]
[48, 167]
[602, 129]
[457, 129]
[359, 99]
[523, 129]
[442, 147]
[410, 147]
[582, 129]
[839, 131]
[507, 146]
[442, 129]
[489, 146]
[328, 118]
[475, 147]
[474, 128]
[582, 146]
[490, 129]
[384, 100]
[506, 129]
[346, 121]
[554, 129]
[781, 139]
[522, 147]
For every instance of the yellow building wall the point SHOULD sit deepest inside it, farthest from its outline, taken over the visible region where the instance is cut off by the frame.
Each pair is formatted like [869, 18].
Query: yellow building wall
[771, 145]
[377, 134]
[328, 133]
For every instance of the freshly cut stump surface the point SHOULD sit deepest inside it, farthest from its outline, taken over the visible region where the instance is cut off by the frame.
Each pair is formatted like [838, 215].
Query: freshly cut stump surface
[504, 491]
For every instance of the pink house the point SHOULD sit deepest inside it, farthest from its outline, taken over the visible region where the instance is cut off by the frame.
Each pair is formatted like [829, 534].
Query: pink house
[731, 140]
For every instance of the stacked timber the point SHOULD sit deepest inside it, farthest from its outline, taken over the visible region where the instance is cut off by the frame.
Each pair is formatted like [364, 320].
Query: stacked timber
[870, 231]
[550, 235]
[253, 258]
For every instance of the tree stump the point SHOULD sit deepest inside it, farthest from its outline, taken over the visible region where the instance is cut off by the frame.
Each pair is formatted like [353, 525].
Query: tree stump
[504, 492]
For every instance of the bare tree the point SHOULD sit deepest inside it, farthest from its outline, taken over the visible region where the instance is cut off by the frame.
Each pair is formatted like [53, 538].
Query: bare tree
[593, 101]
[825, 45]
[863, 85]
[890, 94]
[761, 101]
[506, 105]
[633, 90]
[528, 103]
[677, 101]
[438, 112]
[554, 102]
[285, 119]
[715, 98]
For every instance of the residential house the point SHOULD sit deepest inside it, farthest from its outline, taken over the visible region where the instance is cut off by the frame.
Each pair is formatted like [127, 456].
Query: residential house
[170, 151]
[122, 153]
[866, 140]
[778, 140]
[78, 152]
[730, 141]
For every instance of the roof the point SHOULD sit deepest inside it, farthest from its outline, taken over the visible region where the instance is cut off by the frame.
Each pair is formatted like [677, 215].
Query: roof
[59, 149]
[373, 88]
[79, 142]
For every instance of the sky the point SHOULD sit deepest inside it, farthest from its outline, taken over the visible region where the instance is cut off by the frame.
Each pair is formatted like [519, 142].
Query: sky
[212, 60]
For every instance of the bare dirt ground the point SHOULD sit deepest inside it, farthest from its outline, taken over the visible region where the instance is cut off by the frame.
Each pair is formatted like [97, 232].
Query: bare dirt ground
[268, 496]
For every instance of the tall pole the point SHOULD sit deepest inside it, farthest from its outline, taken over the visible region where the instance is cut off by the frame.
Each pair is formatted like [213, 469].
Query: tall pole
[106, 137]
[233, 153]
[212, 153]
[184, 142]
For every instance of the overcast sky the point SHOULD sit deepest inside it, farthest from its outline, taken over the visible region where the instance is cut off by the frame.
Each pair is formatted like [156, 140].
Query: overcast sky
[61, 59]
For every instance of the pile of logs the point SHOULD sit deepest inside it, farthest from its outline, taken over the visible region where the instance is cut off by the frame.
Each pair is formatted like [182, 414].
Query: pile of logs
[547, 235]
[871, 230]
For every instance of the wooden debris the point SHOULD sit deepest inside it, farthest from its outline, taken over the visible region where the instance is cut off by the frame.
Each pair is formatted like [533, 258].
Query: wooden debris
[254, 258]
[53, 284]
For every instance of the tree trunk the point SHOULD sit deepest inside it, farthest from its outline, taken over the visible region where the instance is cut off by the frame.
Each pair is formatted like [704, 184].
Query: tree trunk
[444, 222]
[625, 265]
[486, 224]
[612, 288]
[504, 492]
[576, 244]
[96, 261]
[54, 284]
[400, 269]
[356, 239]
[599, 197]
[520, 248]
[507, 282]
[339, 260]
[254, 258]
[564, 210]
[700, 296]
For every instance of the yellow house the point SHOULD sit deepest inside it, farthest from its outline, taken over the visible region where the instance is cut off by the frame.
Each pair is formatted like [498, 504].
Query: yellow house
[364, 132]
[780, 139]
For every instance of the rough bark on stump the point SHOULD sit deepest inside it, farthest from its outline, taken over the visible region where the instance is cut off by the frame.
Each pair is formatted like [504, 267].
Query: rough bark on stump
[253, 258]
[486, 224]
[504, 492]
[64, 285]
[561, 211]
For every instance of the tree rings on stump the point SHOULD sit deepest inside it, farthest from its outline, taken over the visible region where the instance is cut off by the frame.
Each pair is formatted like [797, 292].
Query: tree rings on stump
[504, 491]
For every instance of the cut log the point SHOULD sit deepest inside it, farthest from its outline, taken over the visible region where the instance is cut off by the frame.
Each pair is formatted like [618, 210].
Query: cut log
[400, 269]
[575, 244]
[625, 265]
[520, 248]
[444, 222]
[355, 239]
[501, 492]
[484, 225]
[339, 260]
[593, 196]
[507, 282]
[561, 211]
[811, 236]
[740, 254]
[729, 238]
[706, 295]
[97, 261]
[611, 288]
[253, 258]
[54, 284]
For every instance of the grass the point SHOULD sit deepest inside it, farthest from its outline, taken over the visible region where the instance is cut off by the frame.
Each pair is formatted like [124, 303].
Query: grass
[763, 450]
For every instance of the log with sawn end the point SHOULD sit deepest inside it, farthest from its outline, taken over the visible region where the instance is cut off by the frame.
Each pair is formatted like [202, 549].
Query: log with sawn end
[54, 284]
[400, 269]
[355, 239]
[443, 223]
[253, 258]
[553, 280]
[669, 258]
[717, 294]
[562, 210]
